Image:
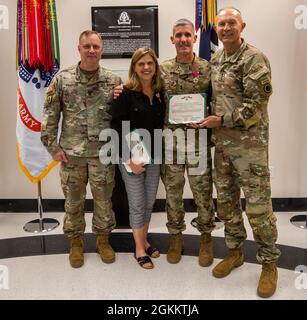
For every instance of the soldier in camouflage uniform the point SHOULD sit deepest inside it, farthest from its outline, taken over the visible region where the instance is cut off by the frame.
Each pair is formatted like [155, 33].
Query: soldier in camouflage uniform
[241, 84]
[187, 74]
[81, 94]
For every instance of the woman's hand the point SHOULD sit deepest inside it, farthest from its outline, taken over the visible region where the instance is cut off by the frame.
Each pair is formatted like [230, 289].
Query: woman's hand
[137, 168]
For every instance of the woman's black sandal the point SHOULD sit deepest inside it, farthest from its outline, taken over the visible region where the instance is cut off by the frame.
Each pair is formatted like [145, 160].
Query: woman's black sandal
[143, 260]
[151, 250]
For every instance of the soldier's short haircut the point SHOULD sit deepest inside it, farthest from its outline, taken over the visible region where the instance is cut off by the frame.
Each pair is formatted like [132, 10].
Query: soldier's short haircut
[183, 22]
[88, 33]
[230, 7]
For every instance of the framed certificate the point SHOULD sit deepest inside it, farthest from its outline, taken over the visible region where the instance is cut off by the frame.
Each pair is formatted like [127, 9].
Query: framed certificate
[187, 108]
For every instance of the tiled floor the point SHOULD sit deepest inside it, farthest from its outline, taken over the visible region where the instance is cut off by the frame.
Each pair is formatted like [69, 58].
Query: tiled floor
[49, 276]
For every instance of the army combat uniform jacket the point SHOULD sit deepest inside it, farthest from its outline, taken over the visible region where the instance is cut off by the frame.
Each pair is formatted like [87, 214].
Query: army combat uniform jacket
[241, 87]
[84, 104]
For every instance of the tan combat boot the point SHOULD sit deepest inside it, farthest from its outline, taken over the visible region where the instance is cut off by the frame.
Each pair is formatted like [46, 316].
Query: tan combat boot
[106, 252]
[175, 249]
[205, 258]
[76, 257]
[234, 259]
[268, 280]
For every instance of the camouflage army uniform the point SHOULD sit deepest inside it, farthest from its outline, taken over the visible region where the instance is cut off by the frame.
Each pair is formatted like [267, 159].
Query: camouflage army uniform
[180, 78]
[241, 87]
[82, 98]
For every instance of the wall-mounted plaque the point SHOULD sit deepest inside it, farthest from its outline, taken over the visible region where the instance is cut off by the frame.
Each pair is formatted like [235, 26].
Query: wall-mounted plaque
[125, 29]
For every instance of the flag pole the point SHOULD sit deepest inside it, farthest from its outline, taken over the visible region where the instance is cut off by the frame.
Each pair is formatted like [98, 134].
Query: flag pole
[38, 60]
[40, 225]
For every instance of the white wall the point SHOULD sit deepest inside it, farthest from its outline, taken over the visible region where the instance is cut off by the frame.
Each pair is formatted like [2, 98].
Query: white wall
[270, 27]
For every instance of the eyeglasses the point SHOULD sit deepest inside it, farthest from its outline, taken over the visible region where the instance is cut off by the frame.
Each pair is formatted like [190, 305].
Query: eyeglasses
[89, 46]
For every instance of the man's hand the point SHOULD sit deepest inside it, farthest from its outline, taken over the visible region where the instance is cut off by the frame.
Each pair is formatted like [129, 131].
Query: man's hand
[209, 122]
[60, 156]
[137, 168]
[198, 125]
[212, 122]
[117, 91]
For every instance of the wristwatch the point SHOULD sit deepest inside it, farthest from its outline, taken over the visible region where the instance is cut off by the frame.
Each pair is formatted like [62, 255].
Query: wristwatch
[222, 121]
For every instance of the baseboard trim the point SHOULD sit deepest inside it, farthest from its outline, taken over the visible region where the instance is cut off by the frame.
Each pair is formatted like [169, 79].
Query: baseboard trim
[57, 205]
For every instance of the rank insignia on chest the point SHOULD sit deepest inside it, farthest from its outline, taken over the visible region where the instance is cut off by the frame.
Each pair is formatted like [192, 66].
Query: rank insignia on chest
[222, 76]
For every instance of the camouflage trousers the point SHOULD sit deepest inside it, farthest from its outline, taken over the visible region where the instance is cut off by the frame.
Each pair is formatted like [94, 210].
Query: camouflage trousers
[201, 185]
[74, 177]
[235, 168]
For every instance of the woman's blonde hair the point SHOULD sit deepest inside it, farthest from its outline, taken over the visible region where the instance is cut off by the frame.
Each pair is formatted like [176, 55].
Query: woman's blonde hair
[133, 82]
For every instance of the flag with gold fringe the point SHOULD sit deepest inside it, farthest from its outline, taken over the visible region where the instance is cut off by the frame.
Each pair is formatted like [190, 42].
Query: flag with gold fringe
[38, 60]
[205, 19]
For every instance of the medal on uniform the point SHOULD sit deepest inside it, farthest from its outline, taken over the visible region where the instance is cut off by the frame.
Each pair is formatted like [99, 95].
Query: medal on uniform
[195, 72]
